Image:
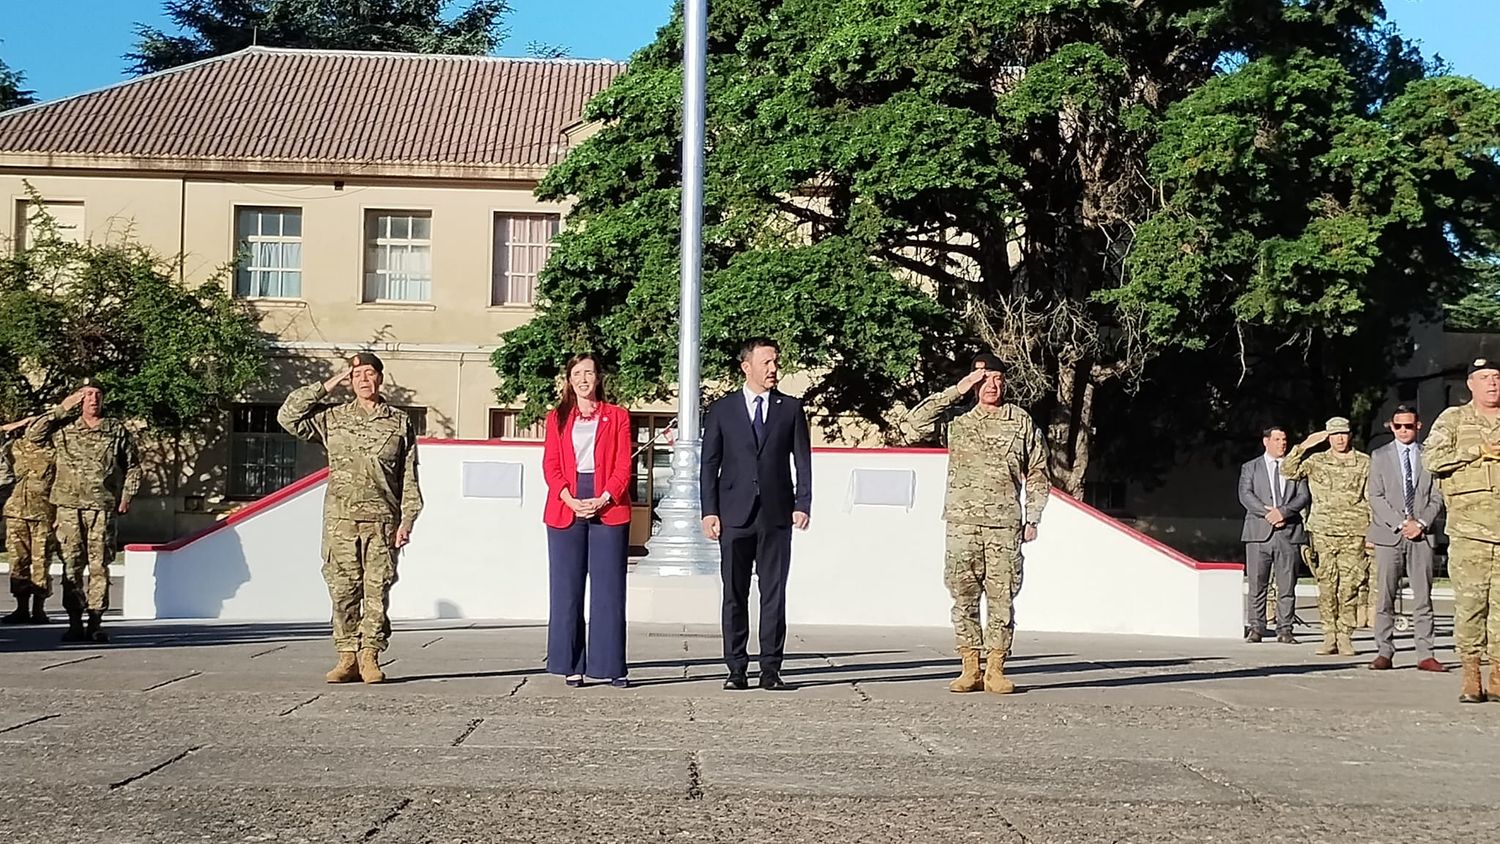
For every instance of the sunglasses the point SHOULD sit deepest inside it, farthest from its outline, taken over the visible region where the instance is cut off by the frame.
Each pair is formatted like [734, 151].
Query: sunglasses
[1404, 426]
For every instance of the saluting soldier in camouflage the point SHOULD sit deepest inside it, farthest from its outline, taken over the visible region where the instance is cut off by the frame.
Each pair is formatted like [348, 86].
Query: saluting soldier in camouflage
[1338, 522]
[28, 526]
[1463, 453]
[97, 473]
[369, 508]
[996, 456]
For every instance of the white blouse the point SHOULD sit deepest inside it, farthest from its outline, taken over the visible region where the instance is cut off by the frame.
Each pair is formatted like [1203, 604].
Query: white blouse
[585, 433]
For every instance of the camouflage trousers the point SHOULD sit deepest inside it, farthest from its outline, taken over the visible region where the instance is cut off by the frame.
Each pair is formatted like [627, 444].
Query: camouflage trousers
[86, 540]
[31, 547]
[359, 566]
[1343, 570]
[983, 562]
[1474, 567]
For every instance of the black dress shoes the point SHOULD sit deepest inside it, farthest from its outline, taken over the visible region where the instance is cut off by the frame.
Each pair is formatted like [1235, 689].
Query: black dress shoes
[736, 683]
[771, 681]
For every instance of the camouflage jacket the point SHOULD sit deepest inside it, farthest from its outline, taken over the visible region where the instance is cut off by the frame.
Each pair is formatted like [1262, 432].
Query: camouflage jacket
[7, 474]
[995, 459]
[1470, 481]
[372, 457]
[1338, 486]
[34, 472]
[94, 468]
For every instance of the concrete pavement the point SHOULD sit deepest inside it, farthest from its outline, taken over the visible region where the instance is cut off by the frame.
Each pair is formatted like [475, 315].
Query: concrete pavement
[225, 732]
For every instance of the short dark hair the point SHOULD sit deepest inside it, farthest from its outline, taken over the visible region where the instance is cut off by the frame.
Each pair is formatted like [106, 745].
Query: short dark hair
[748, 347]
[1271, 430]
[1405, 408]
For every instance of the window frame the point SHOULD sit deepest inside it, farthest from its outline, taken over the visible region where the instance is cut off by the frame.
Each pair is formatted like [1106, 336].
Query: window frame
[370, 249]
[244, 248]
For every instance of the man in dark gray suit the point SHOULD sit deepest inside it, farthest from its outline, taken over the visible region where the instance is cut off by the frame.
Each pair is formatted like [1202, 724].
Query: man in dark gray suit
[1273, 530]
[1404, 503]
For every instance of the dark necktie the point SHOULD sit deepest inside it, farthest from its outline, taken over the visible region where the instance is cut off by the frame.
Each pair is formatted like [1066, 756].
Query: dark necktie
[758, 422]
[1276, 482]
[1411, 490]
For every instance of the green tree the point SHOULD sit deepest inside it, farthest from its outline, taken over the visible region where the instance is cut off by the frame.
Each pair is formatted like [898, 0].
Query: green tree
[12, 95]
[165, 354]
[1479, 308]
[211, 28]
[1241, 198]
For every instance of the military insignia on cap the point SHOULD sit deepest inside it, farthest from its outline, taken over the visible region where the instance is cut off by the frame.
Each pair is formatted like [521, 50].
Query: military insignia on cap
[1481, 362]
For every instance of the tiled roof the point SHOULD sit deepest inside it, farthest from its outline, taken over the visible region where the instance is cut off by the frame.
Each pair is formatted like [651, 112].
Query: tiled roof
[322, 106]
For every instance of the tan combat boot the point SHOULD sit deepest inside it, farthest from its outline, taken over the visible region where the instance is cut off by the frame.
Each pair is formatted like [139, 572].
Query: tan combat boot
[994, 675]
[369, 666]
[971, 680]
[1473, 691]
[346, 671]
[1329, 647]
[1493, 695]
[1346, 645]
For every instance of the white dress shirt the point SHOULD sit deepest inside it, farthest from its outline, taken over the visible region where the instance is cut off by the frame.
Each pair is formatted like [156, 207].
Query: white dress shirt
[1278, 483]
[765, 405]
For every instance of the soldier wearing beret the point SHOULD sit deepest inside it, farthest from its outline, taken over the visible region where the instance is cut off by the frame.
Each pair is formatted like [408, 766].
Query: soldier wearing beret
[97, 471]
[997, 460]
[1463, 453]
[1338, 522]
[369, 508]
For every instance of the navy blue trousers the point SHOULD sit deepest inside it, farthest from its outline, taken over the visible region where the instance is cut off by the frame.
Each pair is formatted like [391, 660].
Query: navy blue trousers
[587, 551]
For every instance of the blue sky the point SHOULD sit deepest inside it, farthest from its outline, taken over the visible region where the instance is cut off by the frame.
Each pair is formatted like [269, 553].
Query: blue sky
[68, 46]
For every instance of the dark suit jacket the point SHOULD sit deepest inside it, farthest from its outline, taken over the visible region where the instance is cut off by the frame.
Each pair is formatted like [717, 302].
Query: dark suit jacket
[1255, 495]
[735, 472]
[1387, 494]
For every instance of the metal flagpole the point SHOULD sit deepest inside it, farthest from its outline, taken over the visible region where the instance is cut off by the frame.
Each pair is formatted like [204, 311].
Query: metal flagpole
[680, 547]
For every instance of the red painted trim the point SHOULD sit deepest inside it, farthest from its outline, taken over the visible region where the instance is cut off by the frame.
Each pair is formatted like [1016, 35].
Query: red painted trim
[442, 441]
[826, 449]
[1171, 552]
[291, 490]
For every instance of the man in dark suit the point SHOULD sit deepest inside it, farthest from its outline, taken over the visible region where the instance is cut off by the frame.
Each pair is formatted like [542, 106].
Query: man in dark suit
[751, 438]
[1404, 504]
[1273, 530]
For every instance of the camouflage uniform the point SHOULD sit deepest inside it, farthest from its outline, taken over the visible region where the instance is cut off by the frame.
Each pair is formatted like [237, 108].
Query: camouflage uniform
[1338, 522]
[28, 520]
[95, 471]
[1470, 482]
[995, 457]
[372, 490]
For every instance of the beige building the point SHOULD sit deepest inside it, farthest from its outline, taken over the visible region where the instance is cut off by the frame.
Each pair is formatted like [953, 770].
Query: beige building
[370, 201]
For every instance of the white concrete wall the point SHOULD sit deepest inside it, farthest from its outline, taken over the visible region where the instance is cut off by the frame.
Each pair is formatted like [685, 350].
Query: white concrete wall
[859, 564]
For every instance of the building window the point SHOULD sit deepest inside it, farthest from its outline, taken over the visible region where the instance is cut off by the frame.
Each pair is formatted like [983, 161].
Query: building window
[418, 418]
[67, 217]
[503, 427]
[263, 456]
[523, 242]
[653, 457]
[398, 256]
[268, 244]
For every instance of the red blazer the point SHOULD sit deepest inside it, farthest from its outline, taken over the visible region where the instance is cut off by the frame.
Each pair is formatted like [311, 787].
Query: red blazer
[612, 467]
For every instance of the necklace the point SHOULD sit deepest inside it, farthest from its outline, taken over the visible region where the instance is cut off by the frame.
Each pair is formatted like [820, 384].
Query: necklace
[588, 417]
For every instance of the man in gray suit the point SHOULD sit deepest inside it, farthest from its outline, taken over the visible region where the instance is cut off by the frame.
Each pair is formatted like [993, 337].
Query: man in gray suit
[1273, 530]
[1404, 503]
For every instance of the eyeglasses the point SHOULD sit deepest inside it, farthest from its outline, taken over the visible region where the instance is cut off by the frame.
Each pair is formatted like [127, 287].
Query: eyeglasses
[1404, 426]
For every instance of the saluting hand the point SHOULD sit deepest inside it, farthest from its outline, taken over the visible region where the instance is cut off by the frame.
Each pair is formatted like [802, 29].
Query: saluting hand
[1315, 439]
[968, 381]
[343, 376]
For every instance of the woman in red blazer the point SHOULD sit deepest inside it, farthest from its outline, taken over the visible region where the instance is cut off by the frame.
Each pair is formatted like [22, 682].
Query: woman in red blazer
[586, 462]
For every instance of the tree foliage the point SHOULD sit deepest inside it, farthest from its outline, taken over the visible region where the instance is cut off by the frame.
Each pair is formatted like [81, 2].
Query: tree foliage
[1243, 198]
[12, 95]
[211, 28]
[165, 354]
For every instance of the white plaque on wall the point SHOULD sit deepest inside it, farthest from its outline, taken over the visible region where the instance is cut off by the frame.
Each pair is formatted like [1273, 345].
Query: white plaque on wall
[883, 488]
[490, 479]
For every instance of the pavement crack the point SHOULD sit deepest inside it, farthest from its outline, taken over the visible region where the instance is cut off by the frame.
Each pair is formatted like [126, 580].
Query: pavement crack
[433, 642]
[72, 661]
[912, 737]
[1222, 783]
[271, 651]
[188, 676]
[468, 731]
[695, 778]
[24, 724]
[154, 768]
[692, 711]
[287, 712]
[385, 820]
[518, 686]
[1021, 836]
[389, 661]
